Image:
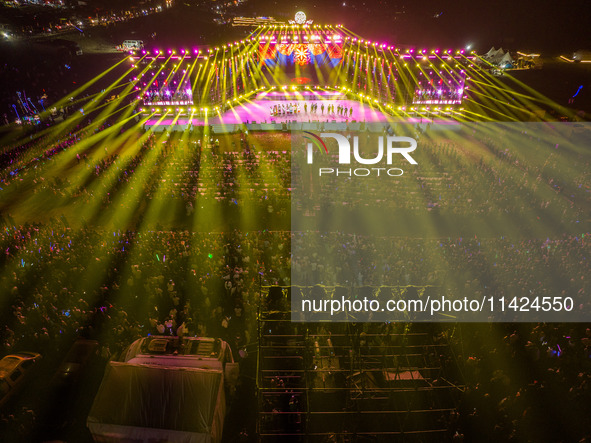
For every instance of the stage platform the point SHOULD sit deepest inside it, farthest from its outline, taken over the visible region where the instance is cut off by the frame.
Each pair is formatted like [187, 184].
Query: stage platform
[282, 110]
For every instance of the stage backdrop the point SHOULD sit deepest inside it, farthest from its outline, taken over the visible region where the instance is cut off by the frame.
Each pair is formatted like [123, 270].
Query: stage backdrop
[301, 54]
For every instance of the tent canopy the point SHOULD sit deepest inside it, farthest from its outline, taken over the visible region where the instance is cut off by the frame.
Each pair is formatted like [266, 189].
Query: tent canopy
[144, 402]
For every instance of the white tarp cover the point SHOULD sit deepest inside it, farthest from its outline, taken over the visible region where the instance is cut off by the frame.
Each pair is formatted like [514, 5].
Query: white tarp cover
[507, 59]
[150, 403]
[499, 57]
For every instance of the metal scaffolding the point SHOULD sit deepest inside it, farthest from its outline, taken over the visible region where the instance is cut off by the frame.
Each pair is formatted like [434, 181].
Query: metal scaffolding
[348, 382]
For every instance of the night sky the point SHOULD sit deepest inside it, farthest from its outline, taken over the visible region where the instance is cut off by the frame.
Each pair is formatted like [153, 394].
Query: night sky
[551, 27]
[541, 25]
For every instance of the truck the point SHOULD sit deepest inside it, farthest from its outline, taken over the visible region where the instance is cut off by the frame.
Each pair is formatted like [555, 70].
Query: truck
[131, 45]
[165, 388]
[15, 370]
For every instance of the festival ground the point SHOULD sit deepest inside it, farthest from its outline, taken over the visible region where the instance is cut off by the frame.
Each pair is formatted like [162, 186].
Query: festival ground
[159, 193]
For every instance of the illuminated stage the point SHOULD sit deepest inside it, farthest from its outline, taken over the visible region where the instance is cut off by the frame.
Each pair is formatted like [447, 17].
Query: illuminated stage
[273, 110]
[278, 73]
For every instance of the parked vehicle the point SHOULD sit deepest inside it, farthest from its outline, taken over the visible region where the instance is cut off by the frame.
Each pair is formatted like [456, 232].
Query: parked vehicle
[131, 45]
[14, 370]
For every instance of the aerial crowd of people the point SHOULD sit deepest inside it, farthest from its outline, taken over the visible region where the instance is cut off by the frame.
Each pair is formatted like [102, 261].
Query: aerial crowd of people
[160, 233]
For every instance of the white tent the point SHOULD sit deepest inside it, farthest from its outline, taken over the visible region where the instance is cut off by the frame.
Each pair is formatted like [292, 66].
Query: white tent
[492, 51]
[139, 403]
[499, 57]
[506, 60]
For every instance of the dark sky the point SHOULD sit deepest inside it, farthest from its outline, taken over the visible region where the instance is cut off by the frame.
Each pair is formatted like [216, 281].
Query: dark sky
[548, 26]
[521, 24]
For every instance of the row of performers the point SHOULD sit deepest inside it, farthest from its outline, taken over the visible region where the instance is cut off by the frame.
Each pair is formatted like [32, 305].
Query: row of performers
[297, 107]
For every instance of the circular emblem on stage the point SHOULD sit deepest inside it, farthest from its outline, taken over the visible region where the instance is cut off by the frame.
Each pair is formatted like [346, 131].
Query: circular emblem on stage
[300, 18]
[301, 54]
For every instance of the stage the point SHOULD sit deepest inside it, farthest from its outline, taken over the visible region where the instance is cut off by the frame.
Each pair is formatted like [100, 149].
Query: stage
[273, 110]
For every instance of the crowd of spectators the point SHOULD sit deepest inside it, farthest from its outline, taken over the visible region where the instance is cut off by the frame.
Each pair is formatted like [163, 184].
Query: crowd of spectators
[457, 267]
[434, 96]
[179, 171]
[125, 285]
[41, 81]
[166, 97]
[142, 273]
[467, 173]
[524, 382]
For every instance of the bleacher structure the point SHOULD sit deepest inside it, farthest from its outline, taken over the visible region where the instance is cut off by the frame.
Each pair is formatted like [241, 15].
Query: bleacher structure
[350, 382]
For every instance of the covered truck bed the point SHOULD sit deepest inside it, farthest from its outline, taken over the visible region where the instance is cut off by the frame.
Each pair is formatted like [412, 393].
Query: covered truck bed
[153, 403]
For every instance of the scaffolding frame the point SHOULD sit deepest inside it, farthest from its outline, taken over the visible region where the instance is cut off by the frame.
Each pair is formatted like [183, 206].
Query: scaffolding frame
[349, 382]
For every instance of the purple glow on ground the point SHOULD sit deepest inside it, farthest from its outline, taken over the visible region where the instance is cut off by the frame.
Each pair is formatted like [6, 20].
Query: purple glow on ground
[259, 109]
